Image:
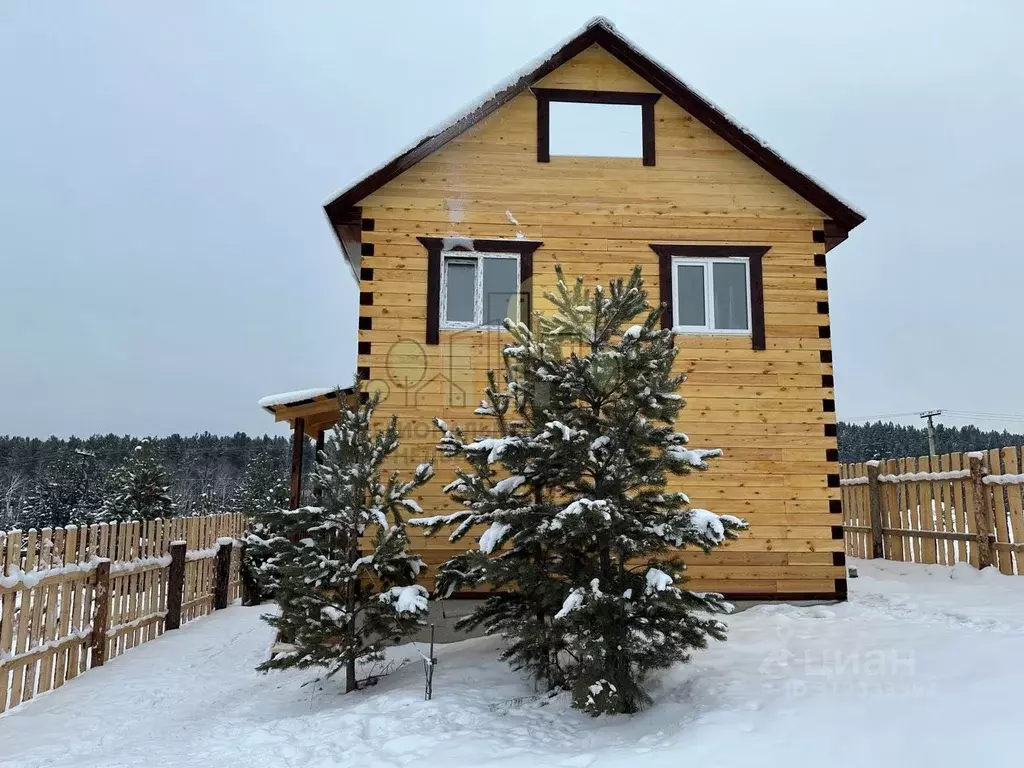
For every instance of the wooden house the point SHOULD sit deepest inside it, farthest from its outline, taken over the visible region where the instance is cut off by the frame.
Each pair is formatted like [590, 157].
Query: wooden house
[466, 226]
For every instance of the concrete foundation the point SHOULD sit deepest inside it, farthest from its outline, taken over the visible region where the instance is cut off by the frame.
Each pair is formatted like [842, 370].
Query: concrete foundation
[445, 613]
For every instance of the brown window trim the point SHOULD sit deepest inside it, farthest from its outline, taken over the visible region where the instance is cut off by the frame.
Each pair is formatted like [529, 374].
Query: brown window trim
[753, 253]
[545, 96]
[435, 246]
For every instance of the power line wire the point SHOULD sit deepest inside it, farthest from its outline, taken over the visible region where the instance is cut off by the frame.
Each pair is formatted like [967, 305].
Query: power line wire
[982, 415]
[1011, 417]
[880, 416]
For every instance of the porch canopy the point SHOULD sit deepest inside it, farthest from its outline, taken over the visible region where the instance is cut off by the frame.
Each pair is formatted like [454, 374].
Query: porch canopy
[310, 412]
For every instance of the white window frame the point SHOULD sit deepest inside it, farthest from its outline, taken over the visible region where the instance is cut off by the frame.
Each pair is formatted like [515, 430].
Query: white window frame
[709, 296]
[478, 289]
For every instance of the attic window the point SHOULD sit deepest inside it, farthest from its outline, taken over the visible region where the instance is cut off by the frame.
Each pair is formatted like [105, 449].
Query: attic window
[595, 123]
[595, 130]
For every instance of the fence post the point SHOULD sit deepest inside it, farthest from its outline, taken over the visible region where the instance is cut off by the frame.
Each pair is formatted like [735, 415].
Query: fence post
[223, 574]
[984, 524]
[175, 585]
[875, 511]
[100, 614]
[250, 591]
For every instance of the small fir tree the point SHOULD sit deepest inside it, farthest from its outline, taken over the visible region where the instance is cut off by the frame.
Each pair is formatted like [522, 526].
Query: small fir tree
[339, 605]
[262, 492]
[582, 529]
[138, 489]
[66, 493]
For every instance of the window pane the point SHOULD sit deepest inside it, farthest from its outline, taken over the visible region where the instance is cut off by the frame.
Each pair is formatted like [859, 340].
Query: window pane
[459, 294]
[729, 281]
[595, 130]
[501, 290]
[690, 294]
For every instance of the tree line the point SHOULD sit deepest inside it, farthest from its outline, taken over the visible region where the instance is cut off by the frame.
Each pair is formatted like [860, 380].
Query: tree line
[887, 440]
[108, 477]
[67, 480]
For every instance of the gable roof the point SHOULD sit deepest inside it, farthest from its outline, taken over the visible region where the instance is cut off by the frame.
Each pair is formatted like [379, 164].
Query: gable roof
[601, 32]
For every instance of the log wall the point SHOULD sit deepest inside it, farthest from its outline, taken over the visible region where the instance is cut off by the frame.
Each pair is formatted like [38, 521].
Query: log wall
[771, 411]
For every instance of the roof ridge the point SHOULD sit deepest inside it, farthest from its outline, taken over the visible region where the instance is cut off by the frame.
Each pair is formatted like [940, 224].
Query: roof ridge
[601, 31]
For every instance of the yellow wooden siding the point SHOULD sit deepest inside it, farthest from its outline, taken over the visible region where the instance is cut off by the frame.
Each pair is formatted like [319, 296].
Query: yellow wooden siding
[597, 217]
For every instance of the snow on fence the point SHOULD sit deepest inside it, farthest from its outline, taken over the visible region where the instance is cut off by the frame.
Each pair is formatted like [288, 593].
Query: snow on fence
[959, 507]
[72, 598]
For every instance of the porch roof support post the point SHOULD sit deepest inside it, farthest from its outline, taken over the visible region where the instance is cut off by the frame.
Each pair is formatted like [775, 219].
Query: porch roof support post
[317, 490]
[298, 438]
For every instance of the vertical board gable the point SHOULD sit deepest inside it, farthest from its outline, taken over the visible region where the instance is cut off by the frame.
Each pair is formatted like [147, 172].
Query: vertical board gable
[500, 152]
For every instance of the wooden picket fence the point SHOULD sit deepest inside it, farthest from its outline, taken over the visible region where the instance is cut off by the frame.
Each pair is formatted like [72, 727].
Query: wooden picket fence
[959, 507]
[73, 598]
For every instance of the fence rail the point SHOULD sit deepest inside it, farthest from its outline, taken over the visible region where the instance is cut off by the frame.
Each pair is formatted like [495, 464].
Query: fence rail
[72, 598]
[958, 507]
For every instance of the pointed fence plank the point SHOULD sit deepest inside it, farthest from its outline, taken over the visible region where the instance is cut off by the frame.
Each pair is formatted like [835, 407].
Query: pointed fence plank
[7, 614]
[24, 620]
[891, 504]
[1000, 505]
[49, 616]
[64, 614]
[927, 512]
[33, 614]
[67, 656]
[1016, 511]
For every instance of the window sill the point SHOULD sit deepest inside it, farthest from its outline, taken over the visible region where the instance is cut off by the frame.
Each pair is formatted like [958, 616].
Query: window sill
[680, 331]
[482, 328]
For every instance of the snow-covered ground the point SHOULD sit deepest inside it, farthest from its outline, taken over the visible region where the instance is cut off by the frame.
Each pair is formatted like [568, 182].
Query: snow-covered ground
[921, 667]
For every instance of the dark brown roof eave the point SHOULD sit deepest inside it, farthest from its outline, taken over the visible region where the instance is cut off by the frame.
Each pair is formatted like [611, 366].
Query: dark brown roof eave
[602, 33]
[338, 208]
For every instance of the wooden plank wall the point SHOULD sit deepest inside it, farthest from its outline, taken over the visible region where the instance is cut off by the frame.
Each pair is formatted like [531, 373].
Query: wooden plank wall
[770, 411]
[931, 517]
[46, 614]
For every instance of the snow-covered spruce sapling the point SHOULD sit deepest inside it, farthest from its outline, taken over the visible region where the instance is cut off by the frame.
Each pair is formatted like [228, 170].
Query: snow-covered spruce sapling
[67, 492]
[262, 492]
[138, 489]
[504, 489]
[582, 528]
[339, 605]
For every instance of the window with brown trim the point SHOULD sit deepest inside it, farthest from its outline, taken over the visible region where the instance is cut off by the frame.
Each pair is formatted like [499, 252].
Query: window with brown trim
[478, 290]
[462, 293]
[545, 96]
[713, 289]
[595, 130]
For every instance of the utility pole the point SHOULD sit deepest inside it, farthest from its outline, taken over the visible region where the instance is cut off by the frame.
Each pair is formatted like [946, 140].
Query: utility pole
[931, 429]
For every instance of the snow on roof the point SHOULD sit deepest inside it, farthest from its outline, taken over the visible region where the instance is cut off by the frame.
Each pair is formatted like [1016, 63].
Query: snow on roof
[524, 76]
[736, 123]
[509, 82]
[288, 398]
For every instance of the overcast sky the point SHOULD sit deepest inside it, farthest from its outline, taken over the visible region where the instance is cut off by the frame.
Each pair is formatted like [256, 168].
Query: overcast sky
[165, 262]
